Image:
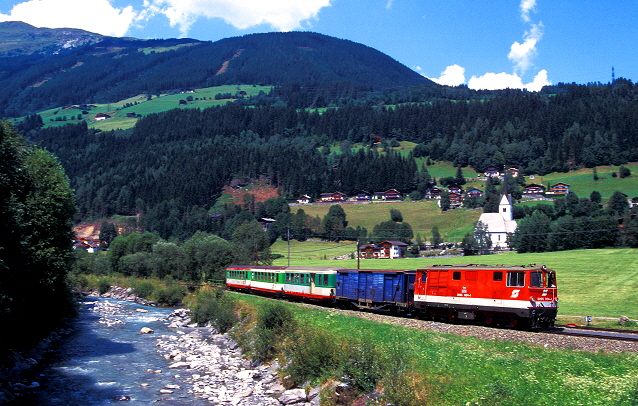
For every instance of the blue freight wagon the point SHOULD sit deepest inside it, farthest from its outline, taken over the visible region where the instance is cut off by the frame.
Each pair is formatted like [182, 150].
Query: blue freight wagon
[376, 290]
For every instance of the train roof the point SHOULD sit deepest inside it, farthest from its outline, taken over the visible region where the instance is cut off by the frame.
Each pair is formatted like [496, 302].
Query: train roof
[483, 267]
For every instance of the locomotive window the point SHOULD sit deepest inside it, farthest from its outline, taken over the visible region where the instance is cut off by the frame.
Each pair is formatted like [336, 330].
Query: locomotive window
[325, 280]
[498, 276]
[536, 280]
[456, 275]
[516, 279]
[424, 277]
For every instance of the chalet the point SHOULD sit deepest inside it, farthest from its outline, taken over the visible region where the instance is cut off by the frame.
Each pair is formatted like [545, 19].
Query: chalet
[392, 249]
[561, 189]
[474, 193]
[492, 172]
[454, 188]
[266, 222]
[514, 172]
[456, 199]
[305, 199]
[385, 249]
[332, 197]
[101, 116]
[391, 195]
[433, 193]
[378, 196]
[534, 190]
[89, 244]
[363, 196]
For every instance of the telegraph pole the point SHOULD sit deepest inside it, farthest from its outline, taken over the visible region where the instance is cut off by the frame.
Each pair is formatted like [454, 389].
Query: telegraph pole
[288, 245]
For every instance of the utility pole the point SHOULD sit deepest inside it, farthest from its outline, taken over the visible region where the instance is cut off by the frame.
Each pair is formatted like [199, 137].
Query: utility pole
[358, 256]
[288, 245]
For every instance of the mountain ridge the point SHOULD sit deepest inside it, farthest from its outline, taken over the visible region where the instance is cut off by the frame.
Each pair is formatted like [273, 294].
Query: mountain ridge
[103, 69]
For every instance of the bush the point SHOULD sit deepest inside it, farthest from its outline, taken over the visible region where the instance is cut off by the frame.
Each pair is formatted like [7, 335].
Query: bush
[212, 305]
[144, 289]
[310, 353]
[171, 295]
[274, 321]
[103, 286]
[360, 365]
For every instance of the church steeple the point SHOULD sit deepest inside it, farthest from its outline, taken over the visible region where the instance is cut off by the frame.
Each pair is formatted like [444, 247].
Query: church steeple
[505, 207]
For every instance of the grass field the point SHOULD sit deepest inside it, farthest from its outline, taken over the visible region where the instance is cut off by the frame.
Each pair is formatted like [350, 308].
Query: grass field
[421, 216]
[448, 369]
[600, 283]
[144, 107]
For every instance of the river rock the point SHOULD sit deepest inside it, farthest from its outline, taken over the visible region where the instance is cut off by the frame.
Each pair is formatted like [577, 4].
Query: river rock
[146, 330]
[292, 396]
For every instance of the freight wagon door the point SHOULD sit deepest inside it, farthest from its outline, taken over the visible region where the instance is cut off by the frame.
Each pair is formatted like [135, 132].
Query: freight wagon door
[365, 280]
[437, 283]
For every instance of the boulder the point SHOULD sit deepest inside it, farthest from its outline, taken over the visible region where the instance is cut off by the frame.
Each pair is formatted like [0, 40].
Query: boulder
[292, 396]
[146, 330]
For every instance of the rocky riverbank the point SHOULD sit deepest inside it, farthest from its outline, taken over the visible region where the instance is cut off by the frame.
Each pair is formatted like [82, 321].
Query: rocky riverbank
[214, 369]
[210, 366]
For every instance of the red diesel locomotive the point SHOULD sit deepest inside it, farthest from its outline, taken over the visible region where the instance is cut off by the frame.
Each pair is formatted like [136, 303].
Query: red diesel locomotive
[504, 295]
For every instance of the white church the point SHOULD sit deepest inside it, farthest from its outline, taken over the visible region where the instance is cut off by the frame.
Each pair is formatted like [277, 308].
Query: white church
[502, 223]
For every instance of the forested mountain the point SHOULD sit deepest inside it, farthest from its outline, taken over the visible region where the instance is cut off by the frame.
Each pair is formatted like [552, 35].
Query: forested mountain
[117, 68]
[178, 161]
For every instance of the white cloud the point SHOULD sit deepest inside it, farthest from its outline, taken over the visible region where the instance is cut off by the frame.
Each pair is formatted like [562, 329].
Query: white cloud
[527, 6]
[453, 75]
[523, 54]
[97, 16]
[494, 81]
[388, 5]
[282, 15]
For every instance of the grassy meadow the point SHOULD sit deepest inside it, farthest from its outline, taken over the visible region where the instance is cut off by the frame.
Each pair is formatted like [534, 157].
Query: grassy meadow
[447, 369]
[202, 98]
[421, 215]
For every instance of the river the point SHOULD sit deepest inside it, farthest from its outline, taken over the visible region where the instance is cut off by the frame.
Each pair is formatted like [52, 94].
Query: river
[106, 360]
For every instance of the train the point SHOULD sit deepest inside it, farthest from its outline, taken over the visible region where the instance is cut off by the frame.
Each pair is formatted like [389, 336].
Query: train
[505, 296]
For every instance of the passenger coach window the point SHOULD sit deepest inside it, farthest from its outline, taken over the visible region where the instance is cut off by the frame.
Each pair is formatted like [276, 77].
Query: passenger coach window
[516, 279]
[498, 276]
[456, 275]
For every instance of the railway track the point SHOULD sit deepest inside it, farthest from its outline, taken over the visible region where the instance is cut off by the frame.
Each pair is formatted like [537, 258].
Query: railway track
[593, 332]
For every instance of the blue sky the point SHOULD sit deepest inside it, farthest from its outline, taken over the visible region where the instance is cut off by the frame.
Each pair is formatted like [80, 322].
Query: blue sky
[484, 44]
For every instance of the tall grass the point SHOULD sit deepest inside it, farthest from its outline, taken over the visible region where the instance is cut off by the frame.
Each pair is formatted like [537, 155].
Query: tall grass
[413, 367]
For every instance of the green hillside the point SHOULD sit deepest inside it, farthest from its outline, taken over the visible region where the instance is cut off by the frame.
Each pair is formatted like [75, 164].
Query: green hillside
[422, 216]
[141, 106]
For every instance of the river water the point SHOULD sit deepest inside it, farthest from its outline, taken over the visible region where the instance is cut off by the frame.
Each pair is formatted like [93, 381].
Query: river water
[106, 359]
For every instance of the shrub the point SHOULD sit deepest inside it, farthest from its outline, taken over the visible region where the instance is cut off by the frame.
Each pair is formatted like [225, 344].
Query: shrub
[274, 321]
[212, 305]
[310, 353]
[103, 286]
[144, 289]
[171, 295]
[361, 367]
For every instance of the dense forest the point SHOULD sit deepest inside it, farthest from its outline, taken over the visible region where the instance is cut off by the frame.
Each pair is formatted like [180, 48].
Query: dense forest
[187, 156]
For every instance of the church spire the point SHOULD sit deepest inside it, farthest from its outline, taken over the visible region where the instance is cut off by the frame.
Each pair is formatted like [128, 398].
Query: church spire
[505, 207]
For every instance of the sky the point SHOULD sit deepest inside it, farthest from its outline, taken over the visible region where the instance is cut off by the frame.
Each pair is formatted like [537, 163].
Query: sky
[484, 44]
